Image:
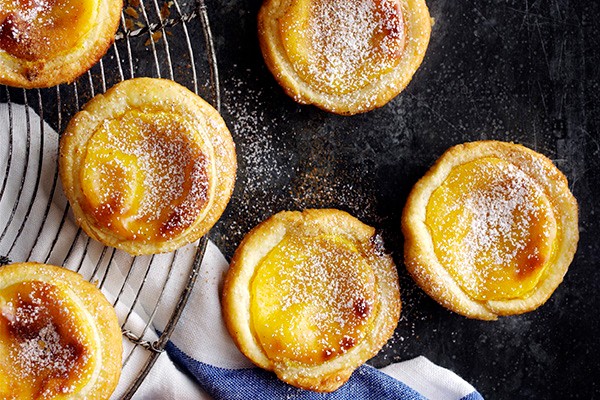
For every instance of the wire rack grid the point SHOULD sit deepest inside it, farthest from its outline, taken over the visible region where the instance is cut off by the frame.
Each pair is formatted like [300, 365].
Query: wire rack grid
[157, 38]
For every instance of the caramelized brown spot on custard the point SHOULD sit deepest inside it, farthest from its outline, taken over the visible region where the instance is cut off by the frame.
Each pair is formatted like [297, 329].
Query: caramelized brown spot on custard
[328, 354]
[38, 29]
[45, 348]
[339, 46]
[392, 26]
[530, 260]
[144, 178]
[362, 308]
[347, 343]
[185, 213]
[106, 211]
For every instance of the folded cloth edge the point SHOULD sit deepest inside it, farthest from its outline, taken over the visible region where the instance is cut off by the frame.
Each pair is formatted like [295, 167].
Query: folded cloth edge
[413, 379]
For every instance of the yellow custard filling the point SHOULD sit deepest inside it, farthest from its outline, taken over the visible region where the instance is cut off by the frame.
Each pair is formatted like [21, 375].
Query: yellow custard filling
[46, 344]
[339, 46]
[311, 299]
[492, 228]
[35, 30]
[143, 178]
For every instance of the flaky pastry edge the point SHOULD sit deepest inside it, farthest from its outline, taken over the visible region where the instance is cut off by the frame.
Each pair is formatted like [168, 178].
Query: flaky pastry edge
[376, 94]
[156, 94]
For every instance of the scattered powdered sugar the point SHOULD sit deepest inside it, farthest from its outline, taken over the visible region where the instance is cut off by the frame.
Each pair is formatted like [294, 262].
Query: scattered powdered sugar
[45, 351]
[31, 11]
[8, 312]
[494, 217]
[174, 170]
[347, 35]
[42, 351]
[284, 164]
[24, 23]
[334, 294]
[339, 292]
[263, 159]
[162, 179]
[254, 133]
[501, 215]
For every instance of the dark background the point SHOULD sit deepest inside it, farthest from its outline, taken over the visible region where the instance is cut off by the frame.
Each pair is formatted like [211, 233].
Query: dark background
[521, 71]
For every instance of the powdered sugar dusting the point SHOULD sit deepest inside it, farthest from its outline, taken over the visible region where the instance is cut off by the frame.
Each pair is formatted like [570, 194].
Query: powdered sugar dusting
[44, 351]
[312, 276]
[495, 215]
[263, 161]
[34, 29]
[500, 239]
[325, 296]
[159, 160]
[32, 10]
[349, 37]
[280, 168]
[255, 132]
[18, 22]
[45, 347]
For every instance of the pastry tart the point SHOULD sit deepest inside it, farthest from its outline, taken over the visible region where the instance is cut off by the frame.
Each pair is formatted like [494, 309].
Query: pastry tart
[147, 167]
[311, 296]
[59, 336]
[344, 56]
[47, 42]
[490, 230]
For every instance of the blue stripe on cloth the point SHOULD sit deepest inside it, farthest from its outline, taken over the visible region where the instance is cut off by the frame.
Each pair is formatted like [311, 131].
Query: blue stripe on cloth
[254, 383]
[473, 396]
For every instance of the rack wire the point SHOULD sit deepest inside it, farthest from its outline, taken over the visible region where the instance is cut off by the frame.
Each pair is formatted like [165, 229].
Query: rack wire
[157, 38]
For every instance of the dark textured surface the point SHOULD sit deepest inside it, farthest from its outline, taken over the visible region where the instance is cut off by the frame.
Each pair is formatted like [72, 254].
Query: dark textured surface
[519, 71]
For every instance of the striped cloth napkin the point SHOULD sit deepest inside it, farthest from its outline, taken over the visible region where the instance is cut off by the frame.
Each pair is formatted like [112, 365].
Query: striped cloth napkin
[201, 361]
[202, 347]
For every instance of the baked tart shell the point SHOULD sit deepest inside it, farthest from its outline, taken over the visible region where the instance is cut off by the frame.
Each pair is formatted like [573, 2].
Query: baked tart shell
[526, 237]
[356, 286]
[148, 167]
[60, 335]
[26, 34]
[408, 30]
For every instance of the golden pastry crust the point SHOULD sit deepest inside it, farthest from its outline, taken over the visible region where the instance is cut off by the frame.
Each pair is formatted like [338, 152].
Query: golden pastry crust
[490, 230]
[147, 167]
[48, 42]
[311, 296]
[59, 336]
[345, 57]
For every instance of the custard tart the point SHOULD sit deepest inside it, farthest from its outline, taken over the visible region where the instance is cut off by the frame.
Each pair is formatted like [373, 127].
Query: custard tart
[490, 230]
[147, 167]
[47, 42]
[344, 56]
[59, 336]
[311, 296]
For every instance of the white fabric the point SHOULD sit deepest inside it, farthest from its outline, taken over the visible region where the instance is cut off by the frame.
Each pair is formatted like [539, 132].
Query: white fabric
[432, 381]
[200, 333]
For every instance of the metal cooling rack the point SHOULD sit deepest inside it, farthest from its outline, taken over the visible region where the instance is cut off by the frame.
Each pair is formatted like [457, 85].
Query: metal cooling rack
[159, 38]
